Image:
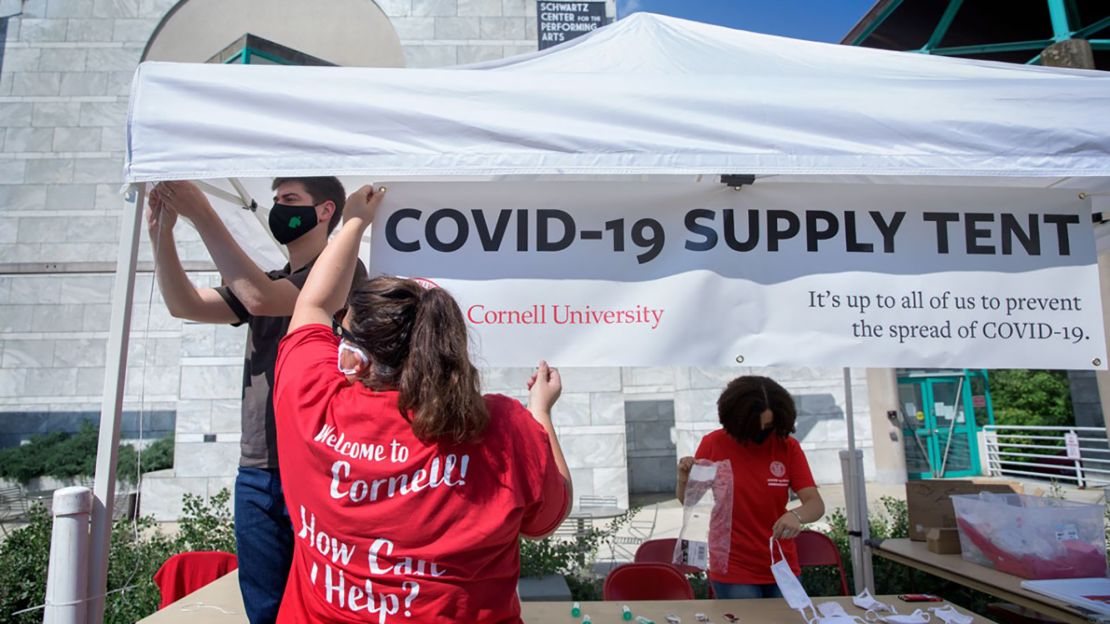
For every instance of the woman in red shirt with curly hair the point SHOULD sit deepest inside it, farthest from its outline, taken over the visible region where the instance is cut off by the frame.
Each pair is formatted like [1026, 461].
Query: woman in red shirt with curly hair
[757, 419]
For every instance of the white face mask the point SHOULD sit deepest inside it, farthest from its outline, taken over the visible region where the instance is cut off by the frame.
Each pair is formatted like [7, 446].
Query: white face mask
[830, 609]
[343, 346]
[867, 602]
[949, 615]
[832, 613]
[917, 617]
[791, 588]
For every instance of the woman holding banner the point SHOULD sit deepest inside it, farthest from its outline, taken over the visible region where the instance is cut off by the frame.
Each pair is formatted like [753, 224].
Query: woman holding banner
[757, 417]
[408, 489]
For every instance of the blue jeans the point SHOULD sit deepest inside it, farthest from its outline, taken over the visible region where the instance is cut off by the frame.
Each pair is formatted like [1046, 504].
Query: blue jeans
[737, 591]
[264, 541]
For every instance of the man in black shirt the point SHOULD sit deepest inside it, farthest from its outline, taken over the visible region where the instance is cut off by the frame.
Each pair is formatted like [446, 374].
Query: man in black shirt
[305, 212]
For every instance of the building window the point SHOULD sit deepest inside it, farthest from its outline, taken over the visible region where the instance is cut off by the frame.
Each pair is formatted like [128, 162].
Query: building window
[651, 451]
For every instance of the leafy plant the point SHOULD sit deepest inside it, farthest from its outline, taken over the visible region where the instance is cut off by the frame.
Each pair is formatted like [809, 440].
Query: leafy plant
[67, 455]
[54, 454]
[890, 577]
[206, 524]
[1031, 397]
[24, 556]
[158, 455]
[572, 557]
[138, 549]
[1036, 398]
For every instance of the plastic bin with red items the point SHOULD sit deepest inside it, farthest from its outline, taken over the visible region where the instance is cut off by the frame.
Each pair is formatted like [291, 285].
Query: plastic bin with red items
[1034, 537]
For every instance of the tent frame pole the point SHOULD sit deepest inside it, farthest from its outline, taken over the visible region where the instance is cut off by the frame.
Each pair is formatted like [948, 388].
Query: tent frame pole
[855, 499]
[111, 406]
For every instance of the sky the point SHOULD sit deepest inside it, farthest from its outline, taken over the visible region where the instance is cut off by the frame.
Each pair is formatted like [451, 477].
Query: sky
[817, 20]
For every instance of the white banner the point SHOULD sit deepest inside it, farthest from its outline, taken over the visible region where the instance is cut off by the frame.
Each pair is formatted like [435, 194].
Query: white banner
[696, 273]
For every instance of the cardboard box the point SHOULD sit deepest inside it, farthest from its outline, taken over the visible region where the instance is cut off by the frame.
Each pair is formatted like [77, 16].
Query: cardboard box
[929, 507]
[943, 541]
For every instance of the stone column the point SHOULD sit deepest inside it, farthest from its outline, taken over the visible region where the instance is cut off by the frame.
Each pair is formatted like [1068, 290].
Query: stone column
[1074, 53]
[1077, 53]
[890, 456]
[1102, 376]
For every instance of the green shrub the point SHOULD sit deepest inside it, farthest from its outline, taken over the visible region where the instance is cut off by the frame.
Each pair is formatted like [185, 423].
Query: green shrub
[137, 550]
[58, 454]
[572, 558]
[68, 455]
[24, 556]
[890, 577]
[206, 525]
[1031, 397]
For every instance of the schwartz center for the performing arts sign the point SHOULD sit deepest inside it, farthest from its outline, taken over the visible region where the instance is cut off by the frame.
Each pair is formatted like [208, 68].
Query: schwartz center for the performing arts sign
[563, 21]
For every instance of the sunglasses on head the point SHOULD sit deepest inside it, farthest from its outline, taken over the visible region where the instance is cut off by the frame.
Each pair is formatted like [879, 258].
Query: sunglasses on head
[341, 331]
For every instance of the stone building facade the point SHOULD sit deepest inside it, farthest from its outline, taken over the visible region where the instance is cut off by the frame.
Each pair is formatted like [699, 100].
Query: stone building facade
[65, 75]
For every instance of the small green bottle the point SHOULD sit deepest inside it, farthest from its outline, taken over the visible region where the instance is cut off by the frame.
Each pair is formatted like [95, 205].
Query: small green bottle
[626, 613]
[575, 609]
[586, 620]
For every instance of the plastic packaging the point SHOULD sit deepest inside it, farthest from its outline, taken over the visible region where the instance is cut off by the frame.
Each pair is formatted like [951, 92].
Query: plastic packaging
[1033, 537]
[706, 535]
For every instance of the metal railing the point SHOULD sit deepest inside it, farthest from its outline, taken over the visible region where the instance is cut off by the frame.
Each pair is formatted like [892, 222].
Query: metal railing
[1078, 455]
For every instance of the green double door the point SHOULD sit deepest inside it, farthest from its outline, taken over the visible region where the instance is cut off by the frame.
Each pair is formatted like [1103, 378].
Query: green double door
[939, 428]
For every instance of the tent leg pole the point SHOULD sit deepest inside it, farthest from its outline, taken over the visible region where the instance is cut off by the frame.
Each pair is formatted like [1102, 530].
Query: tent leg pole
[855, 498]
[111, 406]
[864, 526]
[852, 511]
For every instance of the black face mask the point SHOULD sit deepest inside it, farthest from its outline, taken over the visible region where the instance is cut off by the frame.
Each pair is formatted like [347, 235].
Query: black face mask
[763, 434]
[288, 223]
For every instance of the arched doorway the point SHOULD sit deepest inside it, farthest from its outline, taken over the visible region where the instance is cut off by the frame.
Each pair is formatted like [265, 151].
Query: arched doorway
[354, 33]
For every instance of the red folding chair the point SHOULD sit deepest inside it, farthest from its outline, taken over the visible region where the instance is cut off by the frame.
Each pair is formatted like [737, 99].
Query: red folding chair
[647, 581]
[816, 549]
[186, 572]
[662, 551]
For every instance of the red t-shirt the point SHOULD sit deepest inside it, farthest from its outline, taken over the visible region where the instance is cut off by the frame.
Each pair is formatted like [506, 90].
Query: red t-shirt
[387, 528]
[762, 475]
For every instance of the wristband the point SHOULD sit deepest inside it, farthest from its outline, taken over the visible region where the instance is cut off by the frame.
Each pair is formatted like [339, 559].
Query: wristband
[800, 521]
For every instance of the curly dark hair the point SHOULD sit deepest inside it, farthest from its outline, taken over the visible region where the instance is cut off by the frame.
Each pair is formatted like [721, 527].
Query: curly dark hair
[746, 398]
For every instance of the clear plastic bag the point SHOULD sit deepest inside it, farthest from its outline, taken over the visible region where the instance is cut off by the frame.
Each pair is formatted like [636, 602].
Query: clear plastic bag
[1032, 537]
[705, 539]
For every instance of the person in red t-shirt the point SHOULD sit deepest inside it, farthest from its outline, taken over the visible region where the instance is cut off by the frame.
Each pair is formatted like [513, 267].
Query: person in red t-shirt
[757, 417]
[408, 489]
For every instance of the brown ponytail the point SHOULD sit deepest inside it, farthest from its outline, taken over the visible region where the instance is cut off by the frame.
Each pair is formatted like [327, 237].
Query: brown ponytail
[417, 341]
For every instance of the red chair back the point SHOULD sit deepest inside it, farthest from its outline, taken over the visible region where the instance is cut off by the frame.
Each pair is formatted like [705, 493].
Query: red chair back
[647, 581]
[817, 549]
[184, 573]
[662, 551]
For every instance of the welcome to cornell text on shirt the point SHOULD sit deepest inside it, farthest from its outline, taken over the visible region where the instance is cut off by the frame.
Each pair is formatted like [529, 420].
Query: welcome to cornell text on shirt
[346, 590]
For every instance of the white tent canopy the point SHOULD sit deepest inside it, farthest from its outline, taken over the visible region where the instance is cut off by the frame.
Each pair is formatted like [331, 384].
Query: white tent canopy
[646, 95]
